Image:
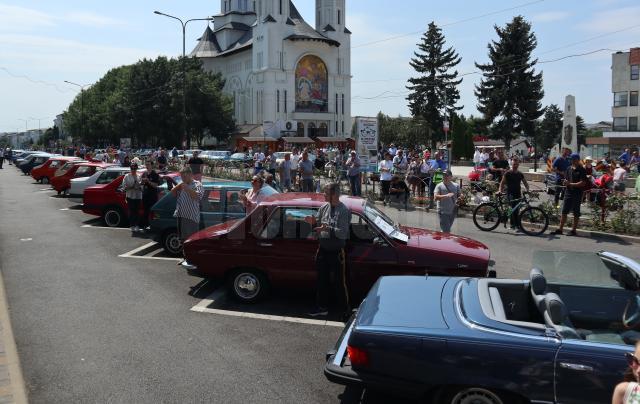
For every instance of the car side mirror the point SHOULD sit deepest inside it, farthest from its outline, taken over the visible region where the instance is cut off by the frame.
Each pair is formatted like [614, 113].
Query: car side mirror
[379, 242]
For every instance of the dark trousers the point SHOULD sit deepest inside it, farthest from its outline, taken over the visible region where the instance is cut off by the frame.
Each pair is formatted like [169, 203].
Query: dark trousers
[513, 202]
[400, 197]
[385, 185]
[1, 161]
[134, 211]
[559, 192]
[332, 264]
[307, 185]
[147, 203]
[356, 186]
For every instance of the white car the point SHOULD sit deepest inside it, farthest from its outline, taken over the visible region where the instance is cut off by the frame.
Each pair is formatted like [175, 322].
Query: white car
[280, 157]
[78, 185]
[215, 155]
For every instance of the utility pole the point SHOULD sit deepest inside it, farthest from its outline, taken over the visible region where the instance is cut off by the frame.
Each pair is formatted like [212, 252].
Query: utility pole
[186, 139]
[81, 105]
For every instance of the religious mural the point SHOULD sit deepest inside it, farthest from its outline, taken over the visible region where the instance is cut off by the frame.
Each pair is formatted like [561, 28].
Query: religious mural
[312, 85]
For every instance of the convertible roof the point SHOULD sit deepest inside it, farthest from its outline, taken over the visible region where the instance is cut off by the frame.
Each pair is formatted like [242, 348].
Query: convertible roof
[311, 200]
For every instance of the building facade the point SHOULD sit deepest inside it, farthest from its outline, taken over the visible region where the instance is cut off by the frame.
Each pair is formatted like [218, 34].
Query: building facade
[283, 74]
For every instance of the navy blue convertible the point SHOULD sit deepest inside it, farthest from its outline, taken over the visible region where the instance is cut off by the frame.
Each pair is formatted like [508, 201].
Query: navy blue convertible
[558, 337]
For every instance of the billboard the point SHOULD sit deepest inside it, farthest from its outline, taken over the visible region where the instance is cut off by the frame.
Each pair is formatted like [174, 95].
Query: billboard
[367, 142]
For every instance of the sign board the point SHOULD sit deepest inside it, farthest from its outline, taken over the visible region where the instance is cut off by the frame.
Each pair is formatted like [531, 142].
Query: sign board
[367, 144]
[125, 143]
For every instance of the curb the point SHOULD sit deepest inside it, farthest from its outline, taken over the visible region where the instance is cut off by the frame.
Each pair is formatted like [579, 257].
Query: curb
[15, 390]
[581, 232]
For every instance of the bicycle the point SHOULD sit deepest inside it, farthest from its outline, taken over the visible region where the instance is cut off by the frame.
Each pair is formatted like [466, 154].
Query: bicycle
[532, 220]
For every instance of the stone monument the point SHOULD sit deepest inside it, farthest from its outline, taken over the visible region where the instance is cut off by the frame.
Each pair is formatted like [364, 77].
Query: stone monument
[569, 132]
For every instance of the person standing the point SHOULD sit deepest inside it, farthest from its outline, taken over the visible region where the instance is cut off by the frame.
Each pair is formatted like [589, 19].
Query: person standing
[285, 172]
[560, 166]
[512, 180]
[399, 192]
[500, 166]
[1, 156]
[353, 172]
[174, 153]
[254, 196]
[188, 195]
[9, 155]
[150, 183]
[575, 181]
[400, 164]
[625, 157]
[385, 167]
[195, 164]
[619, 176]
[476, 158]
[295, 159]
[446, 194]
[132, 186]
[258, 162]
[162, 160]
[331, 225]
[305, 166]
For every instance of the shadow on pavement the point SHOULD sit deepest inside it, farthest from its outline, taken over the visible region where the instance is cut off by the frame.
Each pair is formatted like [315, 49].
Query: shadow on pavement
[357, 395]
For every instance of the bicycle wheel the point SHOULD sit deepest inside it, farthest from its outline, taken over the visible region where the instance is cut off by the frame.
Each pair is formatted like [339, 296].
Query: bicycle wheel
[486, 217]
[533, 221]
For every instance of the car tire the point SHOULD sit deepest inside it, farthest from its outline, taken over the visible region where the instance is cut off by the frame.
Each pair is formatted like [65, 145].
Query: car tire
[171, 243]
[479, 395]
[113, 217]
[248, 285]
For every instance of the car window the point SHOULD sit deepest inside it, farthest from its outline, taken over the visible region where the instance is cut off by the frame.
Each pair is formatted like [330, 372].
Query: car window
[54, 164]
[83, 171]
[107, 176]
[233, 202]
[211, 201]
[360, 231]
[289, 223]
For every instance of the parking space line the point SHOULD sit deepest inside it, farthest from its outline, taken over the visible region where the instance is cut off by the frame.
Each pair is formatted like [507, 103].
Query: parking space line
[137, 250]
[203, 307]
[148, 255]
[151, 258]
[105, 227]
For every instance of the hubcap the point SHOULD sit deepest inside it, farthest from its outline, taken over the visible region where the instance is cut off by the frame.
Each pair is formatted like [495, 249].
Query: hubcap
[247, 285]
[112, 218]
[174, 244]
[476, 396]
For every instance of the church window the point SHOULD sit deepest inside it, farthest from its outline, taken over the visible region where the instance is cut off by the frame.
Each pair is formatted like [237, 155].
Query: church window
[280, 7]
[339, 17]
[336, 103]
[254, 6]
[285, 101]
[342, 104]
[336, 127]
[225, 6]
[343, 127]
[278, 101]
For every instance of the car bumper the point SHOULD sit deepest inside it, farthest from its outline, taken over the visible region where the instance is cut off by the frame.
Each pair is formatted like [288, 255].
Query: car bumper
[338, 370]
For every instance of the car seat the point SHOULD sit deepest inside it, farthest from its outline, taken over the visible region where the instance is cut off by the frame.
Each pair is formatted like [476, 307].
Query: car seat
[557, 316]
[538, 288]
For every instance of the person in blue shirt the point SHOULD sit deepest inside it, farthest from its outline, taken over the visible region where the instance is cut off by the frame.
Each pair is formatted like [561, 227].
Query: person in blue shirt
[440, 163]
[625, 157]
[560, 166]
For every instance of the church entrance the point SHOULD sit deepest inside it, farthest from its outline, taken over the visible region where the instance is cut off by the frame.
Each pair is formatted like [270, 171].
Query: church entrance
[312, 131]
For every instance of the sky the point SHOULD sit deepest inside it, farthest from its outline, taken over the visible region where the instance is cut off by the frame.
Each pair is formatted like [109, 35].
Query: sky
[43, 43]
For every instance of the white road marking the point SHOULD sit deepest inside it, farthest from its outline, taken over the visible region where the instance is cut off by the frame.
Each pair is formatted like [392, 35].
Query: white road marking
[26, 239]
[148, 256]
[137, 250]
[65, 209]
[203, 307]
[105, 227]
[48, 189]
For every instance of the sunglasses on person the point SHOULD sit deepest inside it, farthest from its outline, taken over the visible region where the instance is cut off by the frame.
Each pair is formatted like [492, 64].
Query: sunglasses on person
[632, 359]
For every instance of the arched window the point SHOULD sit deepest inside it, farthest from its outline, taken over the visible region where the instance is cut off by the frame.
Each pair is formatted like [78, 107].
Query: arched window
[300, 129]
[312, 85]
[311, 130]
[323, 130]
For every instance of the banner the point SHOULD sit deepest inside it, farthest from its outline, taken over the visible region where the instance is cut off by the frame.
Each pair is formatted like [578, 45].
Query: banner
[367, 146]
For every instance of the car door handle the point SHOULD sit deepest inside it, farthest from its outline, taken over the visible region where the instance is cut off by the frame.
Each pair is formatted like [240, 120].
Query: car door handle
[576, 366]
[265, 244]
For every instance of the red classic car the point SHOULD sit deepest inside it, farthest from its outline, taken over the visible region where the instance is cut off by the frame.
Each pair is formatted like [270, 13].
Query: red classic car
[110, 203]
[274, 247]
[74, 169]
[47, 170]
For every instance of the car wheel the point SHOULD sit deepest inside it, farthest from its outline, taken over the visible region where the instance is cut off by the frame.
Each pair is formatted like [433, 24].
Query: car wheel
[112, 217]
[248, 285]
[171, 243]
[472, 395]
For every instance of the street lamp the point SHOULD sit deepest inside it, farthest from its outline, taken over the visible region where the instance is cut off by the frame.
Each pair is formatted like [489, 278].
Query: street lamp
[186, 141]
[81, 105]
[26, 121]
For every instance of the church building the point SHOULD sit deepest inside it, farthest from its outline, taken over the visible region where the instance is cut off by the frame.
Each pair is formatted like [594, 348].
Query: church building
[283, 74]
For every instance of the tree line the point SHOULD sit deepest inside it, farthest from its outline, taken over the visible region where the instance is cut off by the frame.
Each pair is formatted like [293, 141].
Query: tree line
[143, 102]
[509, 95]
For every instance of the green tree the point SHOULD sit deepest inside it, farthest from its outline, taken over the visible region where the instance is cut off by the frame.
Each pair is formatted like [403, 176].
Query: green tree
[435, 87]
[459, 135]
[550, 127]
[581, 128]
[510, 93]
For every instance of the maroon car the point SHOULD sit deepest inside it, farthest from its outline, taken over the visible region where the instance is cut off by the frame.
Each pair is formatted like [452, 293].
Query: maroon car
[274, 247]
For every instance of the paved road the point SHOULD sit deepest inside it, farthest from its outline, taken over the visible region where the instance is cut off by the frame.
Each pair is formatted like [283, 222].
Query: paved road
[94, 327]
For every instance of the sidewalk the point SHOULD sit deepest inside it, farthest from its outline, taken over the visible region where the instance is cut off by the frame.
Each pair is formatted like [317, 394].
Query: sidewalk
[12, 389]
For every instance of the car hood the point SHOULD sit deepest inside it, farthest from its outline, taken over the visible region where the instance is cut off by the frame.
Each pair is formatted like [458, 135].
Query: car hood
[452, 244]
[214, 231]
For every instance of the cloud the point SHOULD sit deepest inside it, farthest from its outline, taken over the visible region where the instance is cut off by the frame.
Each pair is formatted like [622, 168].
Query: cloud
[91, 19]
[550, 16]
[613, 20]
[20, 19]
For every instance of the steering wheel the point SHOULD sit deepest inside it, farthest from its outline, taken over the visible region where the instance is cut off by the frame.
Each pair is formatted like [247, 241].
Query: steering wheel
[632, 322]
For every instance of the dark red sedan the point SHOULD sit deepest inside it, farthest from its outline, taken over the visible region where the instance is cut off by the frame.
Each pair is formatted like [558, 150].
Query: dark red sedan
[274, 247]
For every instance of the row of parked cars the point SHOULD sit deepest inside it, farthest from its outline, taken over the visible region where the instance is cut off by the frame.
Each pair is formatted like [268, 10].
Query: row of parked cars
[434, 321]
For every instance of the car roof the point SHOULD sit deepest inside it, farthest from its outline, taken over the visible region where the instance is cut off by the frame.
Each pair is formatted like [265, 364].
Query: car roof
[116, 168]
[311, 200]
[226, 184]
[64, 158]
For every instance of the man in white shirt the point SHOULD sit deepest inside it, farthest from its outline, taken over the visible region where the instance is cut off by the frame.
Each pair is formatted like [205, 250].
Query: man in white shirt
[258, 161]
[476, 157]
[484, 158]
[295, 158]
[385, 167]
[619, 175]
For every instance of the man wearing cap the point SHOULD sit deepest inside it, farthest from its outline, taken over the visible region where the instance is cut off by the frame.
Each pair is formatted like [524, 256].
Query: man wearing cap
[575, 181]
[446, 194]
[353, 172]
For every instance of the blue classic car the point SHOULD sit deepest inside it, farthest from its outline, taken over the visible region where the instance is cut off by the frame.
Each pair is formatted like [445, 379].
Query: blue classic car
[559, 337]
[221, 202]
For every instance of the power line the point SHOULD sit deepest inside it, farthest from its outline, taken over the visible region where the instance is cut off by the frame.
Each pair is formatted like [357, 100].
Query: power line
[449, 24]
[35, 81]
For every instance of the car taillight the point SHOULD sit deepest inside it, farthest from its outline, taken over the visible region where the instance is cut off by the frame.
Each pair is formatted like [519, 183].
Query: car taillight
[357, 356]
[155, 215]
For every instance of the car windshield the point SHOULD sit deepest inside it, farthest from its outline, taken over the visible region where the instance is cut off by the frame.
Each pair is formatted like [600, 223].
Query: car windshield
[238, 155]
[384, 223]
[598, 270]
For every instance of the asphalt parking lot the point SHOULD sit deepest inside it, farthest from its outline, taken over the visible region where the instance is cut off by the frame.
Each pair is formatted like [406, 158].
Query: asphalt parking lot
[100, 315]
